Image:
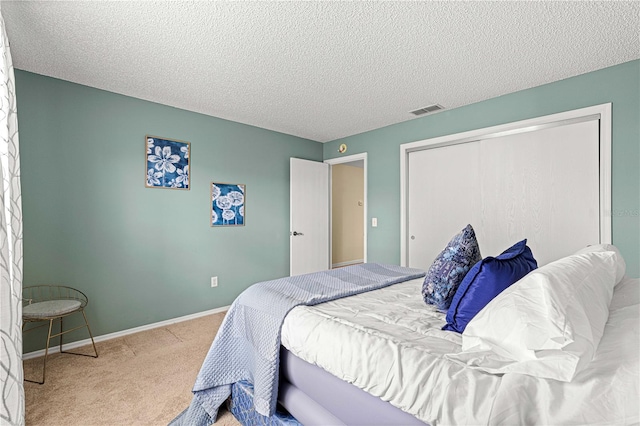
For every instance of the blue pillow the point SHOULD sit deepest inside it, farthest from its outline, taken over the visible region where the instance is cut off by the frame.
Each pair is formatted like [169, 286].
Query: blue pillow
[486, 280]
[449, 268]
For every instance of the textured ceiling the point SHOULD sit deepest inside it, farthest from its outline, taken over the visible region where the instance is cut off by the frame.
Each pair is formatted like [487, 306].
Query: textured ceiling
[319, 70]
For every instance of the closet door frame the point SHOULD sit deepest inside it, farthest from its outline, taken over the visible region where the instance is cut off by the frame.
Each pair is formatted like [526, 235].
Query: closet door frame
[598, 112]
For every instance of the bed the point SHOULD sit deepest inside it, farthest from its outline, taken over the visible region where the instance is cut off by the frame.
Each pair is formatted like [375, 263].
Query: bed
[406, 368]
[557, 344]
[381, 356]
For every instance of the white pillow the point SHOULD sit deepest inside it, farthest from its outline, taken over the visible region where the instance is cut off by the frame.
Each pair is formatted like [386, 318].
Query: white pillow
[548, 324]
[621, 265]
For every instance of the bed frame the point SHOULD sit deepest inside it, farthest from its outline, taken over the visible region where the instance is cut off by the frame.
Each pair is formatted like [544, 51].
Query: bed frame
[316, 397]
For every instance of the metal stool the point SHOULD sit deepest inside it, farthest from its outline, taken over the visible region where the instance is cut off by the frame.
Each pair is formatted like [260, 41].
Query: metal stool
[52, 303]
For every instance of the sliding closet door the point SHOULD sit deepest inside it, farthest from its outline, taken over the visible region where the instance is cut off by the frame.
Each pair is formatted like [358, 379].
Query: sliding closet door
[543, 186]
[443, 197]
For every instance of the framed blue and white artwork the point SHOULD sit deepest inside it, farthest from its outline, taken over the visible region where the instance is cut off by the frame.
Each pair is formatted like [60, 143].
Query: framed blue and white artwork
[227, 204]
[167, 163]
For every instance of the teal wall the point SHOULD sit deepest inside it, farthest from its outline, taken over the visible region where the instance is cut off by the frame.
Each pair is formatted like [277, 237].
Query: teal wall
[619, 85]
[147, 255]
[144, 255]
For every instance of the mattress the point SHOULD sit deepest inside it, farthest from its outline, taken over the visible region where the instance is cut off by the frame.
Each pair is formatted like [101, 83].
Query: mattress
[390, 344]
[317, 398]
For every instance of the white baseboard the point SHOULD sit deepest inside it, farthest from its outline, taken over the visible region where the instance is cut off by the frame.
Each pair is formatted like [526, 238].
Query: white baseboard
[347, 263]
[104, 337]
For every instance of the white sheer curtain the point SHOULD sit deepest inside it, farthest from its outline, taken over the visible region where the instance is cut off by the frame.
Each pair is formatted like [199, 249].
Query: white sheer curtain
[12, 406]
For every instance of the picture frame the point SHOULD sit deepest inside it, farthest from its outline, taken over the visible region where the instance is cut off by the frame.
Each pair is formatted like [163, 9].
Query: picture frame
[227, 204]
[167, 163]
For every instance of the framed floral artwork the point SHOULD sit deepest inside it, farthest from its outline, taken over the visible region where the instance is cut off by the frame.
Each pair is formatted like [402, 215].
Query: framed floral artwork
[227, 204]
[167, 163]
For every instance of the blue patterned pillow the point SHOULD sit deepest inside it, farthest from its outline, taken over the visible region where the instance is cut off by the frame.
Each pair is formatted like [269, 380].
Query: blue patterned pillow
[449, 269]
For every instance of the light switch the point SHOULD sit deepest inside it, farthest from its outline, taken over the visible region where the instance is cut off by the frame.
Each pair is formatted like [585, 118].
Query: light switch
[374, 222]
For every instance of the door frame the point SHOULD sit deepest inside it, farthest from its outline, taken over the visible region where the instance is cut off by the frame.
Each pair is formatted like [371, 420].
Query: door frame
[342, 160]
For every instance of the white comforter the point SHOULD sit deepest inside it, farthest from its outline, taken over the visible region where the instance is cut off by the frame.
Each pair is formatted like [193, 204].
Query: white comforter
[389, 343]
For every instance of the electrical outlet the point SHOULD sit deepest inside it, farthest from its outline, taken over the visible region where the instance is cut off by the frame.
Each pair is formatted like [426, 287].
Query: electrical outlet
[214, 281]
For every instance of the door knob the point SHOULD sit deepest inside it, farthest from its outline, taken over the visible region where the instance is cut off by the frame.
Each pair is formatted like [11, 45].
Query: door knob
[297, 233]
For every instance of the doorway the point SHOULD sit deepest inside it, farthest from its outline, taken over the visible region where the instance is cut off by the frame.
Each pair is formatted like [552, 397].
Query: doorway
[348, 210]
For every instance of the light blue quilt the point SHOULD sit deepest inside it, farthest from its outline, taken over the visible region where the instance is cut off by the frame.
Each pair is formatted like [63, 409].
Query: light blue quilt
[247, 346]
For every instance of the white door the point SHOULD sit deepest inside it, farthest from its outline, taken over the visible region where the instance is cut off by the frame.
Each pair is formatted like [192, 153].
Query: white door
[542, 185]
[443, 197]
[309, 232]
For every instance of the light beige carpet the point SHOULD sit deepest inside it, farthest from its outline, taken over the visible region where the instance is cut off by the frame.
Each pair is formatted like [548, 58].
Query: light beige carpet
[140, 379]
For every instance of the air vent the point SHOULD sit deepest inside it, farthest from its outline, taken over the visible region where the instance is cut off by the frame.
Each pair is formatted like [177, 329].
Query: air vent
[427, 109]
